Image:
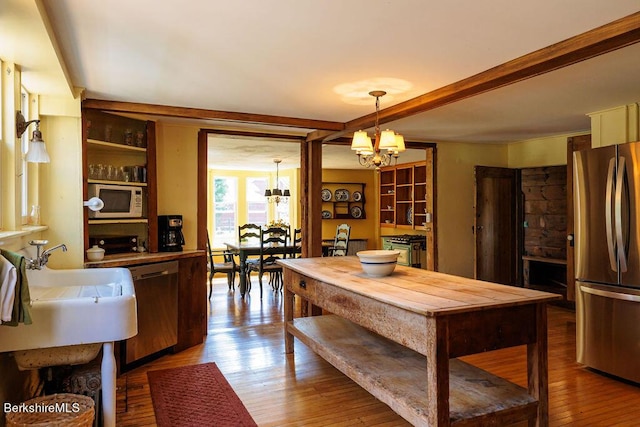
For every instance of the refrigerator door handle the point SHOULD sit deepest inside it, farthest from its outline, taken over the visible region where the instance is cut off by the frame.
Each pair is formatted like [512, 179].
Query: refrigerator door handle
[622, 256]
[608, 294]
[607, 214]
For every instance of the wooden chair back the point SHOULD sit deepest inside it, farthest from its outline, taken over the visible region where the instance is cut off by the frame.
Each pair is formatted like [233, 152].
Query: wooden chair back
[248, 232]
[341, 241]
[297, 242]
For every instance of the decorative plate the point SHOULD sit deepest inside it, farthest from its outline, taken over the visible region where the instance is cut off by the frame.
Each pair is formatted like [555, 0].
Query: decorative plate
[326, 195]
[410, 216]
[357, 196]
[326, 215]
[342, 195]
[356, 212]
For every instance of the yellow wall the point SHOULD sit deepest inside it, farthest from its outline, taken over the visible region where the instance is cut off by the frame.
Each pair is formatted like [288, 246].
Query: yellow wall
[61, 189]
[550, 151]
[455, 193]
[455, 190]
[177, 162]
[367, 228]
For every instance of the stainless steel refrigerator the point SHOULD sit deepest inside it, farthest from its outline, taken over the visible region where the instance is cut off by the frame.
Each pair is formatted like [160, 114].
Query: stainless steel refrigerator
[607, 236]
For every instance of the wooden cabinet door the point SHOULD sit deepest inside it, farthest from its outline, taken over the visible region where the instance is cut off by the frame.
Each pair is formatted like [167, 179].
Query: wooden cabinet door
[192, 302]
[496, 218]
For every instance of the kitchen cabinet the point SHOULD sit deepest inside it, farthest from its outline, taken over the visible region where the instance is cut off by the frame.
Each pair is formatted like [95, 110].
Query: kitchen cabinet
[343, 200]
[120, 151]
[405, 196]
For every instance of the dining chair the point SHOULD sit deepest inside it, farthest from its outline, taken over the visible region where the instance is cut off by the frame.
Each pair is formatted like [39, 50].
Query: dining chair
[341, 241]
[228, 266]
[273, 243]
[297, 242]
[247, 232]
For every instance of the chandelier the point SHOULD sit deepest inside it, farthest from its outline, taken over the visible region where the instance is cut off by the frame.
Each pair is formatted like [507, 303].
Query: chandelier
[388, 144]
[276, 195]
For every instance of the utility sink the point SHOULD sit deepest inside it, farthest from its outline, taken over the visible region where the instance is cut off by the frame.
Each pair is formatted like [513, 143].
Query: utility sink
[74, 313]
[71, 307]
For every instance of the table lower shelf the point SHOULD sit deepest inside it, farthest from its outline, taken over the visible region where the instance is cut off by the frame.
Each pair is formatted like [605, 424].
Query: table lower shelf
[397, 375]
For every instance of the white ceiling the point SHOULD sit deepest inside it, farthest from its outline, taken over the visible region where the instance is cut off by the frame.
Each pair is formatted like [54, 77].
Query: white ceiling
[287, 57]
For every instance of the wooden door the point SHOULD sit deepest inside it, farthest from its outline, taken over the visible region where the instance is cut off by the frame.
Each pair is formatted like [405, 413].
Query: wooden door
[497, 198]
[574, 143]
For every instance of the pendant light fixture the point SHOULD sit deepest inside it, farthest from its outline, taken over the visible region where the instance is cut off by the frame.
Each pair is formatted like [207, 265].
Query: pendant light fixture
[276, 195]
[388, 145]
[37, 152]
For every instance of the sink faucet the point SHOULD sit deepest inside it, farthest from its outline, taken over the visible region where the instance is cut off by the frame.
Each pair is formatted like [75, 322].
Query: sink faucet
[41, 259]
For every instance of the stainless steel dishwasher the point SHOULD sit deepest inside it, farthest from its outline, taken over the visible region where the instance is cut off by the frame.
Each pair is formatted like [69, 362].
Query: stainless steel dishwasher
[156, 288]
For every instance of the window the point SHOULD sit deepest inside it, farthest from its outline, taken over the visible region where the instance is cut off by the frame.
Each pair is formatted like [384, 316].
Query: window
[225, 204]
[256, 202]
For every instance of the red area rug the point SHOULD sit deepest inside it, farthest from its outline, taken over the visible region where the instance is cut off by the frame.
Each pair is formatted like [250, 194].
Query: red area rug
[196, 395]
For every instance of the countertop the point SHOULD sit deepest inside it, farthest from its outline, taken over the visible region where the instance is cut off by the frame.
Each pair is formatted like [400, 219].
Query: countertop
[135, 258]
[425, 292]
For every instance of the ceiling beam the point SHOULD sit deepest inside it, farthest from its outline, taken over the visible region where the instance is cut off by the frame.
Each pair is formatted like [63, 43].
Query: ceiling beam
[199, 113]
[607, 38]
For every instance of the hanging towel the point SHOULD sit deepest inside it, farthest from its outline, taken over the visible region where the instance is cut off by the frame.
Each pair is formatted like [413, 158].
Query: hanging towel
[8, 280]
[22, 300]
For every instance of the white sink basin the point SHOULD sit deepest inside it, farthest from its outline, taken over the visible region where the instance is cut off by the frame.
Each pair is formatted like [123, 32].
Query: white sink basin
[74, 312]
[71, 307]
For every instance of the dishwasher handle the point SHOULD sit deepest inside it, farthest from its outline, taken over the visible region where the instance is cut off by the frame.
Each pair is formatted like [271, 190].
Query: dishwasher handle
[150, 275]
[150, 271]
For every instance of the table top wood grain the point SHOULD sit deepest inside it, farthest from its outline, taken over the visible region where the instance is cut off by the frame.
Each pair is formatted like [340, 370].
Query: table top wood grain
[421, 291]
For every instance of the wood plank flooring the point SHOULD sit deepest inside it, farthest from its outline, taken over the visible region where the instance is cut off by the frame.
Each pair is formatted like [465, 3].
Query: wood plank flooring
[246, 342]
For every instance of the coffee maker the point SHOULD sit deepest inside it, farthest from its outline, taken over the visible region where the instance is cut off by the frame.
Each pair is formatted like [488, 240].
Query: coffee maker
[170, 233]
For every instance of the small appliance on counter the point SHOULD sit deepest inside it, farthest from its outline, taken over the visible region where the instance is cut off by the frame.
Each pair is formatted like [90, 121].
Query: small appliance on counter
[114, 244]
[170, 234]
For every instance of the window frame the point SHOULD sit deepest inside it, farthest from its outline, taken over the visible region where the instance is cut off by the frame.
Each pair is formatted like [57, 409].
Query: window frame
[219, 238]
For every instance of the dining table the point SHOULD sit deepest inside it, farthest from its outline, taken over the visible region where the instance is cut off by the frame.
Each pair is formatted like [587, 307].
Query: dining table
[251, 247]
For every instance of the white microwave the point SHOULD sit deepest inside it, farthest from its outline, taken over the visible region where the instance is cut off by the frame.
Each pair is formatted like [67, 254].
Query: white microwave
[120, 201]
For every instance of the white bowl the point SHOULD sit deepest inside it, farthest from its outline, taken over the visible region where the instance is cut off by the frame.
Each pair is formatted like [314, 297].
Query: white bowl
[378, 263]
[95, 253]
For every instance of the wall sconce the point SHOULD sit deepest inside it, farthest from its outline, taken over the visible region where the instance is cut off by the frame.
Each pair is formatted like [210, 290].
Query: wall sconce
[37, 152]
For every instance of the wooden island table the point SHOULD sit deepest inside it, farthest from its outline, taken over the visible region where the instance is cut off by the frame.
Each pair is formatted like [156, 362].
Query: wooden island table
[399, 336]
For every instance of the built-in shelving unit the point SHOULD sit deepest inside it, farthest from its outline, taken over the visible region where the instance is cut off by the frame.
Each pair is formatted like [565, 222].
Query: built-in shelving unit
[404, 196]
[120, 151]
[343, 200]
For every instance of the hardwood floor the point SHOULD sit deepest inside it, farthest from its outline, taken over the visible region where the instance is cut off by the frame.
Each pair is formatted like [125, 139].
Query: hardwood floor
[246, 342]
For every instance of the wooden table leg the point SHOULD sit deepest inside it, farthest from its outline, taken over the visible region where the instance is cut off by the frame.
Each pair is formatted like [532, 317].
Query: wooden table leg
[243, 273]
[537, 367]
[288, 311]
[437, 371]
